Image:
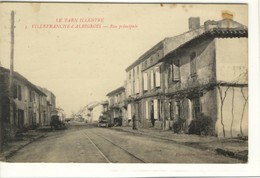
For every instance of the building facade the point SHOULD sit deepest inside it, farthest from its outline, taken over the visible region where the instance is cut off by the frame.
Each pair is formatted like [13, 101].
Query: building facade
[196, 76]
[117, 106]
[29, 103]
[49, 107]
[95, 109]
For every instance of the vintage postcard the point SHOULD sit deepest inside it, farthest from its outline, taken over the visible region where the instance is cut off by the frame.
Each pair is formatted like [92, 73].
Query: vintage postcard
[124, 83]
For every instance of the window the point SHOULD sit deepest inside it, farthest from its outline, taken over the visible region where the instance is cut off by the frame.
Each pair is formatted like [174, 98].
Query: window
[133, 86]
[169, 74]
[196, 108]
[130, 75]
[31, 96]
[15, 90]
[19, 92]
[116, 99]
[152, 79]
[193, 68]
[155, 109]
[34, 97]
[145, 78]
[176, 72]
[171, 110]
[137, 88]
[157, 77]
[129, 88]
[129, 112]
[146, 109]
[178, 109]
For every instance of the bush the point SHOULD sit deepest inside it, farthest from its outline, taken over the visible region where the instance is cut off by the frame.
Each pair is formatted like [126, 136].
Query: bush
[201, 125]
[177, 125]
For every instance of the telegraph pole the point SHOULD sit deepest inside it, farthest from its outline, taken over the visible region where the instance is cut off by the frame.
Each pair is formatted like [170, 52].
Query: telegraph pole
[11, 74]
[1, 118]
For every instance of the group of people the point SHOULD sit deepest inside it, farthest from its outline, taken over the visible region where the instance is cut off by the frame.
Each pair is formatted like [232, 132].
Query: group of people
[134, 120]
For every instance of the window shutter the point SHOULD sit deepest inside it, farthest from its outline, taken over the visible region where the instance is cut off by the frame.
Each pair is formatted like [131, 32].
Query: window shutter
[145, 81]
[146, 110]
[155, 107]
[129, 112]
[152, 79]
[26, 93]
[15, 90]
[133, 86]
[137, 85]
[176, 73]
[19, 92]
[157, 77]
[193, 64]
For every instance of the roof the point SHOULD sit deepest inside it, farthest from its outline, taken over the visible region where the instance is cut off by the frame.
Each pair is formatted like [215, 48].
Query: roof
[145, 55]
[218, 31]
[93, 105]
[224, 27]
[46, 91]
[23, 79]
[116, 91]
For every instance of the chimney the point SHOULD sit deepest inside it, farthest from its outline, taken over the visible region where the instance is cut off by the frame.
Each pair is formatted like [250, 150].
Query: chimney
[194, 23]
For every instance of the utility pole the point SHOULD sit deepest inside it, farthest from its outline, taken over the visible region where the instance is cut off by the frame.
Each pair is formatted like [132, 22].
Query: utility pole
[1, 118]
[11, 74]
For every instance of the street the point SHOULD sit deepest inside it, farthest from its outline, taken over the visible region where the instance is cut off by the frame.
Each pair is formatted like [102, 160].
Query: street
[82, 143]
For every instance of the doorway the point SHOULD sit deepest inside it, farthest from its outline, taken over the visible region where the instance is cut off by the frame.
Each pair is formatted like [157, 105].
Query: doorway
[20, 118]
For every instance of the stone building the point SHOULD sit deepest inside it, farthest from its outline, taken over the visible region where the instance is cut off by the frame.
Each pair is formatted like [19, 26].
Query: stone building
[50, 106]
[28, 101]
[94, 111]
[117, 106]
[208, 75]
[200, 73]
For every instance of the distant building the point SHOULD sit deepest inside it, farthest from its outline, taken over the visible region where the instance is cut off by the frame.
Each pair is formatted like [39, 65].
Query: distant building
[117, 106]
[51, 105]
[60, 112]
[94, 111]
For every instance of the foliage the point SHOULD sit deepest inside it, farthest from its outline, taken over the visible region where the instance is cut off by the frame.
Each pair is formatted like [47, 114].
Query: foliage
[177, 125]
[201, 125]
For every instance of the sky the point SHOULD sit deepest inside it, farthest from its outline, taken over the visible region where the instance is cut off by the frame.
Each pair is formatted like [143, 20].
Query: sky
[82, 65]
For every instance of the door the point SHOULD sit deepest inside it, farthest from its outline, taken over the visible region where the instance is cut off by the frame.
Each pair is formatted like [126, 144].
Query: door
[20, 118]
[140, 112]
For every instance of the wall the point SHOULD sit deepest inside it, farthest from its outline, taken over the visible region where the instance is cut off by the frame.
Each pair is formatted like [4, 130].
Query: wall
[20, 104]
[209, 107]
[205, 55]
[96, 112]
[231, 68]
[232, 59]
[233, 106]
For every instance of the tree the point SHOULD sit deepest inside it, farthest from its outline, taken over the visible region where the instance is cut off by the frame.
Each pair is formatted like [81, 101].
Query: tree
[72, 114]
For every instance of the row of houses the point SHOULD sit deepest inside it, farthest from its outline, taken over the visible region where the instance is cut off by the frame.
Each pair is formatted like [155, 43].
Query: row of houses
[32, 106]
[200, 74]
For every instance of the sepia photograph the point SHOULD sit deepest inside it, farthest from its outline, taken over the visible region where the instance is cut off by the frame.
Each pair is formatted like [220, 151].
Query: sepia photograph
[124, 83]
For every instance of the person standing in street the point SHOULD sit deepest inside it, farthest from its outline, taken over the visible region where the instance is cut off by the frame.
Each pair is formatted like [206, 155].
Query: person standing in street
[152, 118]
[134, 122]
